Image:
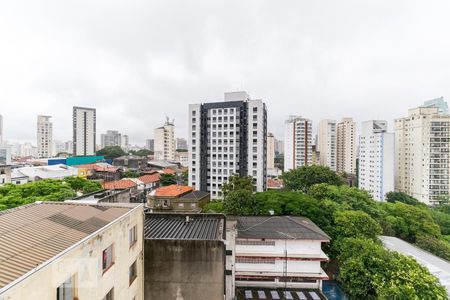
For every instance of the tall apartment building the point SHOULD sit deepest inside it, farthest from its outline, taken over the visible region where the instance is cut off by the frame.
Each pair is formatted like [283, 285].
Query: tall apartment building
[181, 143]
[125, 142]
[111, 138]
[279, 146]
[1, 130]
[326, 143]
[422, 145]
[150, 144]
[165, 141]
[346, 146]
[227, 138]
[44, 137]
[439, 103]
[376, 159]
[270, 151]
[297, 142]
[84, 131]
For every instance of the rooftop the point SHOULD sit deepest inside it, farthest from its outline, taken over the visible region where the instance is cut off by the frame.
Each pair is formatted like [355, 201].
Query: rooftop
[255, 293]
[195, 195]
[99, 167]
[35, 233]
[119, 184]
[173, 190]
[279, 227]
[149, 178]
[184, 226]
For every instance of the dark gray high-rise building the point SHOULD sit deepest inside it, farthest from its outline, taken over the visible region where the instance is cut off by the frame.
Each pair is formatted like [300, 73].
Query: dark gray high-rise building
[150, 144]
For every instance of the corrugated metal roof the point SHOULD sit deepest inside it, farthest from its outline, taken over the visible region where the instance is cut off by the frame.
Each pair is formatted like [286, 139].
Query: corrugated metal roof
[184, 226]
[279, 227]
[256, 293]
[32, 234]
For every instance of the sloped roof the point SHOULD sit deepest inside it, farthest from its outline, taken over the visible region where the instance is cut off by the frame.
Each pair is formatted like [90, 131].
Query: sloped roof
[279, 227]
[149, 178]
[173, 190]
[99, 167]
[32, 234]
[119, 184]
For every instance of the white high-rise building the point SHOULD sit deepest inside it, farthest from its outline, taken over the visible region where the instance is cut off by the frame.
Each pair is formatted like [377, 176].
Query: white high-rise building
[270, 151]
[227, 138]
[326, 143]
[1, 130]
[111, 138]
[346, 146]
[44, 137]
[165, 141]
[376, 159]
[422, 145]
[84, 131]
[297, 142]
[125, 142]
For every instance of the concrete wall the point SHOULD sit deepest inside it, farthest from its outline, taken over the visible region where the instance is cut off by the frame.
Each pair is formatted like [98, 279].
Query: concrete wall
[184, 270]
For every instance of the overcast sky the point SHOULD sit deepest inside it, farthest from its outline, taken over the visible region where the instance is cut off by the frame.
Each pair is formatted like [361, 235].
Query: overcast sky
[139, 61]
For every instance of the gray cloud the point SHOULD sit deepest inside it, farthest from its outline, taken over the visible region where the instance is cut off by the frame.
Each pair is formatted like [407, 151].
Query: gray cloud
[139, 61]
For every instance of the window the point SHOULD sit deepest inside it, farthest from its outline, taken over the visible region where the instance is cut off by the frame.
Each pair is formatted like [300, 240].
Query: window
[108, 259]
[110, 295]
[132, 235]
[133, 272]
[67, 290]
[181, 205]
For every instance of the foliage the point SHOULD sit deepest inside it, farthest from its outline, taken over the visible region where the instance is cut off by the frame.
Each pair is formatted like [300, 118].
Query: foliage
[301, 179]
[279, 161]
[438, 247]
[442, 218]
[239, 202]
[141, 152]
[44, 190]
[355, 224]
[167, 179]
[181, 150]
[111, 152]
[235, 183]
[130, 174]
[213, 207]
[401, 197]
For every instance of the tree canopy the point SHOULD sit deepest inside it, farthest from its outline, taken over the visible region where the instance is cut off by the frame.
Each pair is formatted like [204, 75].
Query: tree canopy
[167, 179]
[303, 178]
[111, 152]
[141, 152]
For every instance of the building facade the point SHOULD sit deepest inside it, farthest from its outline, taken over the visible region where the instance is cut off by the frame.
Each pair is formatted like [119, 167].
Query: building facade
[181, 144]
[439, 103]
[5, 174]
[270, 151]
[5, 155]
[376, 159]
[346, 146]
[297, 142]
[1, 130]
[111, 138]
[422, 145]
[165, 141]
[150, 144]
[227, 138]
[44, 137]
[326, 143]
[84, 131]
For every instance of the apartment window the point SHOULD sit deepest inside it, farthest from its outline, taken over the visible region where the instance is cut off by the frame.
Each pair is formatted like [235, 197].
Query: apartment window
[110, 295]
[133, 272]
[108, 259]
[181, 205]
[255, 109]
[67, 290]
[132, 235]
[255, 243]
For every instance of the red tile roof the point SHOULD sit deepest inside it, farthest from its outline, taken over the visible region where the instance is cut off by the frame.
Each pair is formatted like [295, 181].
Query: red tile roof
[274, 183]
[168, 171]
[150, 178]
[119, 184]
[98, 168]
[173, 190]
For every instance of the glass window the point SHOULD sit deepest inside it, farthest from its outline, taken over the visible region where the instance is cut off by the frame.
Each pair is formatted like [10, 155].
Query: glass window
[108, 259]
[67, 290]
[133, 272]
[132, 235]
[110, 295]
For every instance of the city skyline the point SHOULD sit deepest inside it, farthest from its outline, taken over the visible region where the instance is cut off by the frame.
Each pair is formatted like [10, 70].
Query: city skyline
[330, 68]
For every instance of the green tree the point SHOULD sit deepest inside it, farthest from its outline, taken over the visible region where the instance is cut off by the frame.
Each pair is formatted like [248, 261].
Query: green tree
[167, 179]
[436, 246]
[356, 224]
[401, 197]
[111, 152]
[236, 183]
[301, 179]
[141, 152]
[130, 174]
[240, 202]
[213, 207]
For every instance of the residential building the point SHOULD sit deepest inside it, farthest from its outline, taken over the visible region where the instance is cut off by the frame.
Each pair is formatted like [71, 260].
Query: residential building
[125, 142]
[346, 146]
[297, 142]
[1, 130]
[58, 171]
[100, 170]
[181, 144]
[376, 159]
[279, 147]
[270, 151]
[111, 138]
[439, 103]
[422, 145]
[182, 157]
[279, 252]
[165, 141]
[150, 144]
[103, 196]
[44, 137]
[130, 162]
[5, 174]
[227, 138]
[84, 131]
[71, 251]
[5, 155]
[326, 143]
[177, 198]
[184, 256]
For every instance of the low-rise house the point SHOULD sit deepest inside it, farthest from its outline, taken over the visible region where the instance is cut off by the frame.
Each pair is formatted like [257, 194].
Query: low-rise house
[150, 181]
[101, 170]
[279, 252]
[30, 174]
[130, 162]
[274, 184]
[104, 196]
[5, 174]
[57, 250]
[184, 256]
[162, 164]
[178, 198]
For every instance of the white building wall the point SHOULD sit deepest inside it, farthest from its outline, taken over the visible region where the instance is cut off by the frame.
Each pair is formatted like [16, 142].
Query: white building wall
[346, 146]
[270, 151]
[44, 137]
[194, 145]
[84, 130]
[297, 143]
[165, 142]
[326, 143]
